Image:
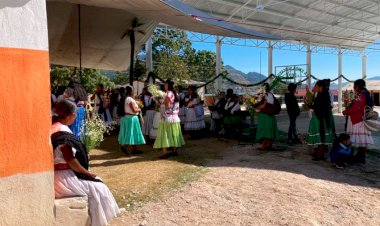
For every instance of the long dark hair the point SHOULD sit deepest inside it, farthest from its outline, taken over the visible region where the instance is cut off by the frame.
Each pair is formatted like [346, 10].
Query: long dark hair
[360, 83]
[63, 109]
[80, 93]
[128, 91]
[171, 88]
[194, 92]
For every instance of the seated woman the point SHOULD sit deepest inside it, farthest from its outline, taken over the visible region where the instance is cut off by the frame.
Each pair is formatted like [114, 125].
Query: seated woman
[71, 175]
[230, 108]
[217, 110]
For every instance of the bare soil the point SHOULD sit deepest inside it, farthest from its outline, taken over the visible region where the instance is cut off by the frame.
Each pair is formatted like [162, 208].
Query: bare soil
[214, 182]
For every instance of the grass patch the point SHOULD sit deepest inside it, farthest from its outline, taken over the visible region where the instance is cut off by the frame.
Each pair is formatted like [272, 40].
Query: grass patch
[135, 180]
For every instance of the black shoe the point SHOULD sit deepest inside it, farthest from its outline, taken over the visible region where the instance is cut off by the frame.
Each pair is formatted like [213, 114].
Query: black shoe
[297, 141]
[339, 166]
[137, 152]
[123, 150]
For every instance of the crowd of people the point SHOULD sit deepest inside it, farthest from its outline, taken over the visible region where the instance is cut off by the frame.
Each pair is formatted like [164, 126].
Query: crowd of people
[162, 121]
[321, 132]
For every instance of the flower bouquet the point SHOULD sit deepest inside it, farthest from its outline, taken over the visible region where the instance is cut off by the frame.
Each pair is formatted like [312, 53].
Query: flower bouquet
[139, 103]
[348, 98]
[157, 94]
[94, 131]
[308, 100]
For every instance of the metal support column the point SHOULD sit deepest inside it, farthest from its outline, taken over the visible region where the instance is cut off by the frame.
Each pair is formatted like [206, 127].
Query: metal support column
[364, 66]
[149, 58]
[308, 66]
[340, 81]
[218, 81]
[270, 58]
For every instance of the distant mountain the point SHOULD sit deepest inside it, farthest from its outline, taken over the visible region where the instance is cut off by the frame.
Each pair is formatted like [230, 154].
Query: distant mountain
[236, 75]
[336, 86]
[239, 76]
[254, 77]
[374, 78]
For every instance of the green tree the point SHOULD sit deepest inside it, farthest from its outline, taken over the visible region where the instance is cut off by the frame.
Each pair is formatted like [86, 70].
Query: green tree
[121, 77]
[203, 66]
[140, 70]
[171, 49]
[62, 75]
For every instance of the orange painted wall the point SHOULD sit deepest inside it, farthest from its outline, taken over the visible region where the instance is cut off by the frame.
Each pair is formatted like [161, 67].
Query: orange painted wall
[24, 112]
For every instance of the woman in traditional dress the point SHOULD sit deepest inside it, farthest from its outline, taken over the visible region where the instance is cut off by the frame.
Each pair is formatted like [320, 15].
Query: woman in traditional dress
[169, 134]
[319, 132]
[194, 119]
[267, 131]
[148, 111]
[182, 107]
[360, 136]
[231, 121]
[76, 94]
[71, 175]
[130, 131]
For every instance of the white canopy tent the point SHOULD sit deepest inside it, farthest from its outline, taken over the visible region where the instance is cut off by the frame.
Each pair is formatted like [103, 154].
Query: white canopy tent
[104, 23]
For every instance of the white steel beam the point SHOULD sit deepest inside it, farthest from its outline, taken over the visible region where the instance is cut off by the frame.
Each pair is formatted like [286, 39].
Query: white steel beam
[270, 59]
[364, 66]
[218, 81]
[340, 81]
[308, 65]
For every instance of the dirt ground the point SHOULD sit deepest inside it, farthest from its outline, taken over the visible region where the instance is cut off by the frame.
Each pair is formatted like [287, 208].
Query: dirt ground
[216, 182]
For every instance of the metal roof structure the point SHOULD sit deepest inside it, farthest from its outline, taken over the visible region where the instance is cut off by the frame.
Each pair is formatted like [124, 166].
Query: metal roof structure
[351, 24]
[348, 24]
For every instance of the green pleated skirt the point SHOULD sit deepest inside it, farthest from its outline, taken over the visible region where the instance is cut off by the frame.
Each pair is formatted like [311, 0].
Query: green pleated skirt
[266, 127]
[313, 135]
[130, 131]
[169, 135]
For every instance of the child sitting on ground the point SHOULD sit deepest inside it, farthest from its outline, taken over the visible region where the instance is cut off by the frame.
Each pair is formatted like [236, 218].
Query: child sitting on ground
[341, 153]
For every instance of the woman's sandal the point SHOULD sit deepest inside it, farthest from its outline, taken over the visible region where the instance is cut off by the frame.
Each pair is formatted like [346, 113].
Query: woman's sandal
[164, 156]
[137, 152]
[123, 150]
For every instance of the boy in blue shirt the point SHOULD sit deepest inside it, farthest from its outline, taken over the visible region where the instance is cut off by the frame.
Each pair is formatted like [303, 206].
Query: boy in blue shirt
[341, 153]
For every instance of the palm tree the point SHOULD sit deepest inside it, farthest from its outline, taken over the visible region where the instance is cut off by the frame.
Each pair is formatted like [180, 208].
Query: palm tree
[132, 39]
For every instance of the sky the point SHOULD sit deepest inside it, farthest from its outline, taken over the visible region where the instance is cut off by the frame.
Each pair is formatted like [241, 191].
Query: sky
[247, 59]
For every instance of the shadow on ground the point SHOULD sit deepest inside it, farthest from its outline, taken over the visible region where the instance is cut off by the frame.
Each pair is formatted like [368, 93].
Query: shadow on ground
[213, 152]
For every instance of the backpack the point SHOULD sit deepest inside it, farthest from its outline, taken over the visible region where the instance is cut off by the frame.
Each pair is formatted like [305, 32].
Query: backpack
[120, 106]
[272, 109]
